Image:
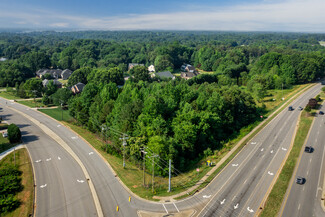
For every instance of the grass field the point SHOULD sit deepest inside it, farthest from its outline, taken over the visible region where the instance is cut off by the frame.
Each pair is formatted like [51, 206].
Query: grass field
[9, 96]
[31, 103]
[58, 114]
[205, 72]
[274, 201]
[27, 194]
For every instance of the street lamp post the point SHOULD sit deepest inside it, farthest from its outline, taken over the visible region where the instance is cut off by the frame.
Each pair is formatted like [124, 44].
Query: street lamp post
[105, 139]
[61, 111]
[34, 91]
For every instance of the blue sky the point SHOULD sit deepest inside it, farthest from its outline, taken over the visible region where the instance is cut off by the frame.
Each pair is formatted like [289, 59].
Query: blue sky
[237, 15]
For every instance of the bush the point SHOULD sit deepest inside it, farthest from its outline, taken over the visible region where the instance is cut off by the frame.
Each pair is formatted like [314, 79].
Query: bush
[207, 152]
[14, 134]
[8, 203]
[10, 185]
[308, 108]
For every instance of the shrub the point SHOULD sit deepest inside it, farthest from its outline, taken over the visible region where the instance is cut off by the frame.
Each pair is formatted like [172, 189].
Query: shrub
[207, 152]
[8, 203]
[14, 134]
[308, 108]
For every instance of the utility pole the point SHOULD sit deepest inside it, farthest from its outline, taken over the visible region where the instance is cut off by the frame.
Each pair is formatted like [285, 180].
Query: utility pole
[144, 166]
[170, 173]
[153, 171]
[124, 144]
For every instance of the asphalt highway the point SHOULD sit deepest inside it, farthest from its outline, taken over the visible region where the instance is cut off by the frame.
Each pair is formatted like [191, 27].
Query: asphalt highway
[57, 190]
[237, 191]
[241, 187]
[305, 200]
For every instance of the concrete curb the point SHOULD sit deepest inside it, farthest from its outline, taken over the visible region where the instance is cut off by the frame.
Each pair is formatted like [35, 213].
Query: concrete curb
[5, 153]
[70, 151]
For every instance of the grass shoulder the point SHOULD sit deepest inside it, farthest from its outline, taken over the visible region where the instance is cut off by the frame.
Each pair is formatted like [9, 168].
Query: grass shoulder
[26, 196]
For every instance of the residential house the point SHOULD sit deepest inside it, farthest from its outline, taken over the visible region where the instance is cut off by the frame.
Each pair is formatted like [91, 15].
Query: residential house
[2, 59]
[57, 83]
[189, 75]
[77, 88]
[165, 74]
[56, 73]
[151, 68]
[66, 74]
[187, 68]
[131, 65]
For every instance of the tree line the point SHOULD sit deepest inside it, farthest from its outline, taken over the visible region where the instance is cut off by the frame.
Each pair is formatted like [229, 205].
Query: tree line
[180, 120]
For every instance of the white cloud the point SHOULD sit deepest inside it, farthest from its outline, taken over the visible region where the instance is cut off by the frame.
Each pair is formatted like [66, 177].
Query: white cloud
[268, 15]
[60, 25]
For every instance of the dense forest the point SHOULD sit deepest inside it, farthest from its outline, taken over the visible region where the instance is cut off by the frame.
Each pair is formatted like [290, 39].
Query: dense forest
[177, 119]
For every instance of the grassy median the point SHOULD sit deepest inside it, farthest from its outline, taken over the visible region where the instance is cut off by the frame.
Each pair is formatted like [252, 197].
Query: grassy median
[274, 201]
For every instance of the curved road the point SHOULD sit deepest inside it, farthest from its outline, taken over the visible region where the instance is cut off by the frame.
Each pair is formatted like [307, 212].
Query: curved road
[237, 191]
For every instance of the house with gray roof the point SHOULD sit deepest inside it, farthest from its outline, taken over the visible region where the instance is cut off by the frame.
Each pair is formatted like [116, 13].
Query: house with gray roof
[131, 65]
[56, 73]
[77, 88]
[66, 74]
[57, 83]
[189, 75]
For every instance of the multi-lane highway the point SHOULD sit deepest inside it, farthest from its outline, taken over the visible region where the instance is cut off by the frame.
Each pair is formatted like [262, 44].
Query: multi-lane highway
[242, 186]
[305, 200]
[62, 188]
[58, 191]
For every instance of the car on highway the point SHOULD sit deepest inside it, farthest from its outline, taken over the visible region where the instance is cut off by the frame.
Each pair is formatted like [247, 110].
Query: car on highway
[309, 149]
[290, 108]
[300, 180]
[300, 108]
[321, 112]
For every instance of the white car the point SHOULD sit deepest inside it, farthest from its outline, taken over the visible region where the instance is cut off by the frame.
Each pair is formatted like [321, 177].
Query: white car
[4, 134]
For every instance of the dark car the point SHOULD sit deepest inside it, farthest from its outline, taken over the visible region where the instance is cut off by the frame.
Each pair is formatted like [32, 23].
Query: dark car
[321, 112]
[290, 108]
[309, 149]
[300, 180]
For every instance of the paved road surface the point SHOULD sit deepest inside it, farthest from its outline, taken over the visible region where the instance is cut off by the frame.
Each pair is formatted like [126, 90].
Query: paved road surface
[305, 200]
[58, 192]
[244, 183]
